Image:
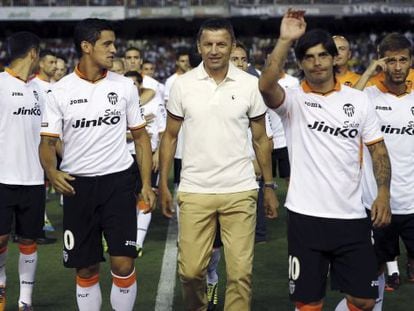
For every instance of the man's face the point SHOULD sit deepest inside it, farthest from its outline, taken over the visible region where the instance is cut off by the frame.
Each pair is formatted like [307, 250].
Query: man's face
[239, 58]
[47, 65]
[103, 51]
[344, 52]
[133, 61]
[148, 69]
[118, 67]
[60, 69]
[183, 63]
[397, 66]
[317, 65]
[215, 47]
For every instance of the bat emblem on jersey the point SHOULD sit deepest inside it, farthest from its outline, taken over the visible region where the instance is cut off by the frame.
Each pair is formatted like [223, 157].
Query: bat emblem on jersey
[113, 98]
[36, 95]
[412, 110]
[349, 109]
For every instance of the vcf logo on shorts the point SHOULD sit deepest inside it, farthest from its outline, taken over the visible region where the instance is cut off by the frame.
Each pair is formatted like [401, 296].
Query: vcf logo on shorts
[113, 98]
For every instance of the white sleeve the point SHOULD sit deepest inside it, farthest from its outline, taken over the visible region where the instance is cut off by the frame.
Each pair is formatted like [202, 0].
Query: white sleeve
[52, 117]
[135, 119]
[174, 105]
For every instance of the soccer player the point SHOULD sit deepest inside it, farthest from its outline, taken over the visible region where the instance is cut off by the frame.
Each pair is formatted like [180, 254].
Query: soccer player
[90, 110]
[183, 65]
[153, 111]
[394, 102]
[61, 69]
[325, 122]
[22, 189]
[148, 68]
[47, 69]
[343, 74]
[214, 104]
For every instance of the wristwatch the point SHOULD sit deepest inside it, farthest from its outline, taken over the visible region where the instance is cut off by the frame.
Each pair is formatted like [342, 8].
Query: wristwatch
[271, 185]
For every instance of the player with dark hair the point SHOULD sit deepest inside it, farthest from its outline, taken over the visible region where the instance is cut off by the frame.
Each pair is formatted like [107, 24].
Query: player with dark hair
[325, 124]
[90, 110]
[22, 189]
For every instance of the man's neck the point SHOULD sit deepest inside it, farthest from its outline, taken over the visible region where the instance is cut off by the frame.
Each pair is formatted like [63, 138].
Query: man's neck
[90, 71]
[218, 75]
[397, 89]
[21, 69]
[43, 76]
[322, 88]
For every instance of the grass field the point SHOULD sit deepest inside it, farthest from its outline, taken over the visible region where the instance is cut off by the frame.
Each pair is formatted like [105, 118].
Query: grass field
[55, 285]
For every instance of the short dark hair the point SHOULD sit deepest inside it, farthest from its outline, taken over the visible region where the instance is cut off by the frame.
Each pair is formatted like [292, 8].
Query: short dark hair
[133, 48]
[182, 53]
[20, 43]
[393, 42]
[240, 45]
[135, 74]
[44, 53]
[89, 30]
[312, 38]
[216, 24]
[147, 61]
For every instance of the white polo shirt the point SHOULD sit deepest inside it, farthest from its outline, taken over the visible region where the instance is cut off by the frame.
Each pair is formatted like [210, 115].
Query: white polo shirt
[22, 104]
[92, 117]
[278, 133]
[215, 122]
[324, 135]
[396, 117]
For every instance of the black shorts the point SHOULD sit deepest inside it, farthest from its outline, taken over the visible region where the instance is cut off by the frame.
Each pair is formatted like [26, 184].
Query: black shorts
[138, 185]
[177, 170]
[342, 248]
[27, 203]
[101, 204]
[280, 160]
[387, 239]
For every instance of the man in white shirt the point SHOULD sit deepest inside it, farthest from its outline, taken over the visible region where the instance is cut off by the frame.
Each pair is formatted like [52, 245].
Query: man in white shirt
[22, 190]
[90, 109]
[214, 104]
[325, 123]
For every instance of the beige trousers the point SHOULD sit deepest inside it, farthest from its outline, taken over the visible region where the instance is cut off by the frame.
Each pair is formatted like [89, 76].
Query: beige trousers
[197, 228]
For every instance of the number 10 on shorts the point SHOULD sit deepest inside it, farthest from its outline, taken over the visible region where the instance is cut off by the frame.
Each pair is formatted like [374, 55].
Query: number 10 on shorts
[294, 268]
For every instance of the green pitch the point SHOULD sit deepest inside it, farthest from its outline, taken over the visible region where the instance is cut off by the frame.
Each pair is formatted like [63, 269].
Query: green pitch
[55, 285]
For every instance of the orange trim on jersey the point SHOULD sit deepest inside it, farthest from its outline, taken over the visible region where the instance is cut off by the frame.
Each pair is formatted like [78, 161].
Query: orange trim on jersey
[3, 249]
[374, 141]
[383, 88]
[82, 282]
[49, 134]
[124, 282]
[306, 307]
[38, 76]
[174, 116]
[137, 127]
[14, 74]
[351, 307]
[83, 76]
[28, 249]
[307, 88]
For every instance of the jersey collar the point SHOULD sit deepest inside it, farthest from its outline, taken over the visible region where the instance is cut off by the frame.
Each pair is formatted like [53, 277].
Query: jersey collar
[383, 88]
[14, 74]
[83, 76]
[231, 72]
[307, 88]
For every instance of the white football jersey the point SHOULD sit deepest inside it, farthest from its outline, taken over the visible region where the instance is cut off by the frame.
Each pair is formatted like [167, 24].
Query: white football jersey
[324, 133]
[22, 105]
[278, 133]
[92, 117]
[44, 85]
[396, 117]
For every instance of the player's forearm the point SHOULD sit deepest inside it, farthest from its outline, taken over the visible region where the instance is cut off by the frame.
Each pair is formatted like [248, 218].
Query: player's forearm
[47, 154]
[263, 156]
[167, 150]
[381, 167]
[363, 80]
[143, 155]
[273, 69]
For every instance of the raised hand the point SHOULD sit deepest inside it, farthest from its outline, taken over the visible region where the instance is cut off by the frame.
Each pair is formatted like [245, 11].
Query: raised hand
[293, 25]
